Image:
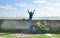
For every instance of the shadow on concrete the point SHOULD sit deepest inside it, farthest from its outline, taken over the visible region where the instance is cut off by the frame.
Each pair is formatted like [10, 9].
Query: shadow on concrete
[25, 31]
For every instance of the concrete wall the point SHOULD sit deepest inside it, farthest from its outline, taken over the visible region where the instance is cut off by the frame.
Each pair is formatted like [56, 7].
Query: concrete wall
[10, 24]
[53, 25]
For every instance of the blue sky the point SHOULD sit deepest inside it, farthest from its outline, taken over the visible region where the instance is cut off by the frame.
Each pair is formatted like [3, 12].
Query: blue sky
[18, 8]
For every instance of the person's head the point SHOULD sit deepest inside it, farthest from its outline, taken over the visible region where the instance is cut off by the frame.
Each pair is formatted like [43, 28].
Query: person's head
[30, 11]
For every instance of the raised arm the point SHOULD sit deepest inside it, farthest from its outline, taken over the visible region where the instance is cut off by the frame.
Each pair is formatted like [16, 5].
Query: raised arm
[33, 11]
[28, 10]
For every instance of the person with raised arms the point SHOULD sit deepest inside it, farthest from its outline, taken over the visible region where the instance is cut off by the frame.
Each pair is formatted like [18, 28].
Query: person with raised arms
[31, 14]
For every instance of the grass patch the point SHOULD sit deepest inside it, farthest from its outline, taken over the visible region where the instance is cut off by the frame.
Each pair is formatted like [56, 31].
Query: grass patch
[6, 35]
[2, 34]
[57, 35]
[9, 36]
[37, 36]
[42, 36]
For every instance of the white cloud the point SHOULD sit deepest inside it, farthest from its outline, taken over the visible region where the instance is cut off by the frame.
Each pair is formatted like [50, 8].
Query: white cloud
[21, 5]
[53, 3]
[49, 4]
[48, 7]
[47, 12]
[51, 11]
[7, 7]
[40, 1]
[24, 5]
[56, 6]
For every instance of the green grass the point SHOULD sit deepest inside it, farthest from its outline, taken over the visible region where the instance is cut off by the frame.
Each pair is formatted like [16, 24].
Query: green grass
[57, 35]
[43, 36]
[7, 35]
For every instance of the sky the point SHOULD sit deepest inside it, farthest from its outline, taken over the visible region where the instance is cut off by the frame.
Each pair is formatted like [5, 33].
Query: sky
[18, 8]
